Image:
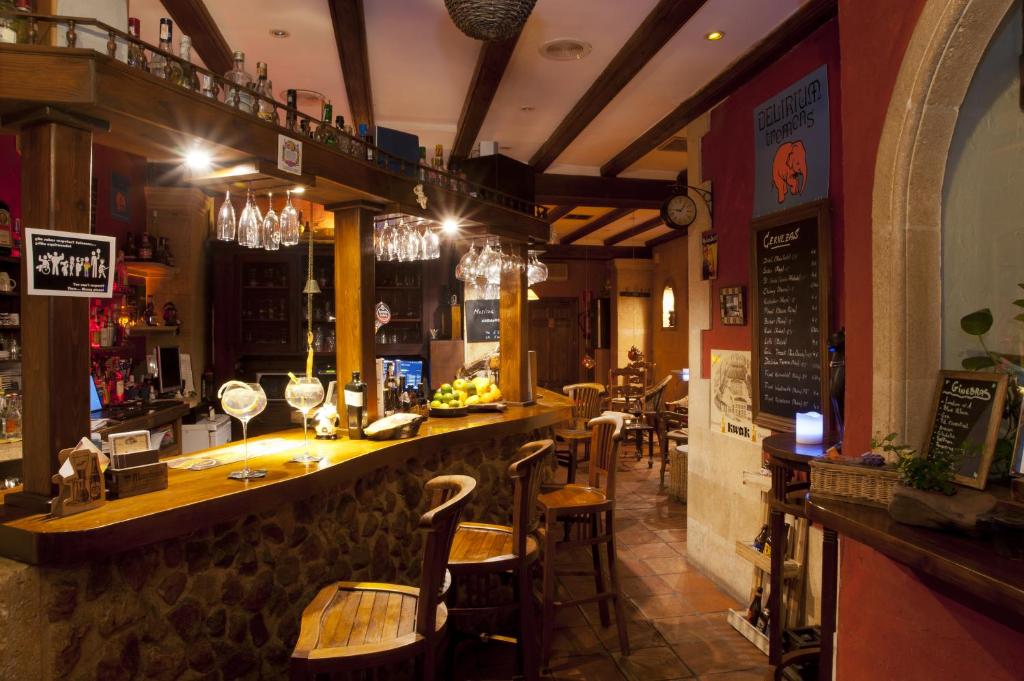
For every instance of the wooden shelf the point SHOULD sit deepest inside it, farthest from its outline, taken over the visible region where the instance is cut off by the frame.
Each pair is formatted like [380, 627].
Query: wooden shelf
[16, 327]
[264, 288]
[790, 570]
[265, 321]
[149, 269]
[152, 329]
[9, 260]
[399, 288]
[10, 294]
[399, 349]
[739, 622]
[405, 320]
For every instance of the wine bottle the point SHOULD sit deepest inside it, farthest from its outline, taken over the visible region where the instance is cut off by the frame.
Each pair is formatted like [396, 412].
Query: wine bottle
[355, 404]
[158, 64]
[293, 107]
[762, 538]
[136, 55]
[754, 611]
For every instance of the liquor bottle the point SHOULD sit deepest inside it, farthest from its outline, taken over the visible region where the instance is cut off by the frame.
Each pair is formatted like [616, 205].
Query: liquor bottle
[437, 163]
[355, 406]
[16, 235]
[267, 110]
[339, 131]
[762, 538]
[145, 247]
[21, 26]
[364, 134]
[292, 100]
[184, 73]
[130, 251]
[158, 65]
[136, 55]
[304, 127]
[239, 97]
[149, 314]
[6, 229]
[354, 145]
[763, 620]
[325, 131]
[423, 164]
[754, 611]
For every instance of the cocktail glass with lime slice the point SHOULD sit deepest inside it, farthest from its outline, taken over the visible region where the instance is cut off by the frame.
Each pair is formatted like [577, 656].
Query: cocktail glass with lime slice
[243, 401]
[303, 394]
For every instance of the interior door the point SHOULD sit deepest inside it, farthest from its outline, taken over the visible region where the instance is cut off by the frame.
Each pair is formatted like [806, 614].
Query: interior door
[555, 336]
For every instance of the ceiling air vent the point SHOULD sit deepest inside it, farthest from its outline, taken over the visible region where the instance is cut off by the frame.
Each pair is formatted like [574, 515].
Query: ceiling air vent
[576, 216]
[565, 49]
[676, 144]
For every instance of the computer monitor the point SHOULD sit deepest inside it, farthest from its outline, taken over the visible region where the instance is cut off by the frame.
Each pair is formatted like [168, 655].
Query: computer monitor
[168, 369]
[412, 369]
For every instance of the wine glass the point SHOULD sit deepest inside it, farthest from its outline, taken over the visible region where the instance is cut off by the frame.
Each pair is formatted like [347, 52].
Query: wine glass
[245, 223]
[226, 220]
[271, 227]
[464, 270]
[432, 249]
[303, 394]
[243, 401]
[289, 223]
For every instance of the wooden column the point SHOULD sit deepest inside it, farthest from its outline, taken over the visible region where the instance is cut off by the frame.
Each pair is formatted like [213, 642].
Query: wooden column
[56, 174]
[354, 297]
[513, 331]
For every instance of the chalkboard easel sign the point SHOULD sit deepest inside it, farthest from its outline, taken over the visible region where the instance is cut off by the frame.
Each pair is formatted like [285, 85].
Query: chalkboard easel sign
[483, 320]
[968, 410]
[790, 262]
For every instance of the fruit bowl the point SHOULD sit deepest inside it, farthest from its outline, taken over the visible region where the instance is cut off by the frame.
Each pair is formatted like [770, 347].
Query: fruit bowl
[450, 412]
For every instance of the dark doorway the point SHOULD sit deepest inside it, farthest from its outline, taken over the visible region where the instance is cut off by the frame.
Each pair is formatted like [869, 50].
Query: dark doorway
[555, 336]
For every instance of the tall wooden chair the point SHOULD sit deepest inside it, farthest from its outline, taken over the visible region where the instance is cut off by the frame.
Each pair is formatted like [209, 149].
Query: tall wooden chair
[352, 626]
[652, 400]
[482, 552]
[625, 389]
[590, 510]
[586, 404]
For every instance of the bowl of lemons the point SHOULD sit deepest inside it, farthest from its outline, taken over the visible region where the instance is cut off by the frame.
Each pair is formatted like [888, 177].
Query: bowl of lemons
[448, 402]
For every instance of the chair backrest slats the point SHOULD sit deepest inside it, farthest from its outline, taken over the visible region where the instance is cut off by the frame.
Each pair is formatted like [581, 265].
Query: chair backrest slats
[606, 432]
[586, 399]
[451, 493]
[653, 397]
[526, 472]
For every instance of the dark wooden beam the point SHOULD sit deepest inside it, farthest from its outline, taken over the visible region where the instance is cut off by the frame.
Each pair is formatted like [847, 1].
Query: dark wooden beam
[645, 226]
[665, 238]
[558, 212]
[596, 224]
[194, 20]
[350, 35]
[590, 190]
[553, 252]
[657, 28]
[490, 67]
[802, 23]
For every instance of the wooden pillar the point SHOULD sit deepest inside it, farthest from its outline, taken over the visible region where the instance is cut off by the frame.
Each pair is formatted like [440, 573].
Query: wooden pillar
[513, 331]
[354, 297]
[56, 174]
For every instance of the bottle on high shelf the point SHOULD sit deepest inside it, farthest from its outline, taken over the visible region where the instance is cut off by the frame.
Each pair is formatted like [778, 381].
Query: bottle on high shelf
[367, 137]
[21, 26]
[304, 127]
[352, 144]
[145, 246]
[423, 164]
[292, 100]
[239, 96]
[339, 131]
[184, 74]
[158, 65]
[325, 131]
[437, 163]
[266, 109]
[136, 55]
[6, 229]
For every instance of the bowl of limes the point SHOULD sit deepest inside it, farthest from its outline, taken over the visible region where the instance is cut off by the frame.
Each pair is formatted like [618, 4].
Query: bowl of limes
[447, 402]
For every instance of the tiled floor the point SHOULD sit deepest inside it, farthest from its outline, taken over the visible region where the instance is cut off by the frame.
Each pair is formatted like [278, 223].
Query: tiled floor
[677, 626]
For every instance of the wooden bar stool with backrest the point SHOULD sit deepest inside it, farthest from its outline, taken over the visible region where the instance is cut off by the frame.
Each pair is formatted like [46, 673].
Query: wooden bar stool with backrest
[481, 551]
[591, 510]
[626, 390]
[586, 404]
[352, 626]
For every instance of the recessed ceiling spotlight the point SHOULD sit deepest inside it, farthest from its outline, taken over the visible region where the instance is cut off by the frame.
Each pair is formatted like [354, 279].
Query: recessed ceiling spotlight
[565, 49]
[714, 35]
[527, 108]
[280, 33]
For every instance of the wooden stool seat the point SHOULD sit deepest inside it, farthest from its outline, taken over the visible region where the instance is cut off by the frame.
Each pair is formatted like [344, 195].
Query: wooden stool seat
[573, 498]
[362, 619]
[478, 544]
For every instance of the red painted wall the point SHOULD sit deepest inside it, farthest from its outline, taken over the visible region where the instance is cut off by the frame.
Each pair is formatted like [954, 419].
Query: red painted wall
[10, 174]
[105, 162]
[728, 159]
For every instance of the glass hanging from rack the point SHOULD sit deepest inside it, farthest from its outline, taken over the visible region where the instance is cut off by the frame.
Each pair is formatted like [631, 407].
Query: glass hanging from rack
[405, 238]
[484, 264]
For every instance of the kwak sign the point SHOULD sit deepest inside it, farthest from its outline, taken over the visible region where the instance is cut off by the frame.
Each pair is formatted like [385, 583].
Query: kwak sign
[791, 145]
[732, 396]
[69, 263]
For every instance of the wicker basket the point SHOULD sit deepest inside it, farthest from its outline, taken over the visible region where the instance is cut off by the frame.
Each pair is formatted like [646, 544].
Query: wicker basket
[857, 484]
[489, 19]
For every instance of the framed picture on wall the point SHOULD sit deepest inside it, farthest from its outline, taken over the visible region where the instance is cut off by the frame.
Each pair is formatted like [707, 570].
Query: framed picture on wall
[733, 306]
[709, 255]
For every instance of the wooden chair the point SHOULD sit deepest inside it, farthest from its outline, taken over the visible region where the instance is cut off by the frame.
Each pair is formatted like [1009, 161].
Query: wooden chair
[586, 404]
[652, 400]
[481, 552]
[673, 430]
[352, 626]
[591, 510]
[625, 390]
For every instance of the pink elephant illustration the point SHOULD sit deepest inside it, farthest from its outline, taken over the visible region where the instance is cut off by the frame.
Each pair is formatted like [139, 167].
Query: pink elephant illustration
[789, 169]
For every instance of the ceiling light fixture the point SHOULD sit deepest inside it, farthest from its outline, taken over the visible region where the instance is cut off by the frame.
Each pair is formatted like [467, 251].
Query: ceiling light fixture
[714, 35]
[197, 159]
[280, 33]
[299, 190]
[450, 226]
[565, 49]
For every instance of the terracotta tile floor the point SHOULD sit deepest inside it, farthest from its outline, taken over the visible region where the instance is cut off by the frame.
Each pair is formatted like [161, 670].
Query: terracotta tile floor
[677, 625]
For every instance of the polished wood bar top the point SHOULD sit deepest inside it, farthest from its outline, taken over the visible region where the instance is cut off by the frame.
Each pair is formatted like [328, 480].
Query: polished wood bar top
[197, 499]
[784, 446]
[964, 567]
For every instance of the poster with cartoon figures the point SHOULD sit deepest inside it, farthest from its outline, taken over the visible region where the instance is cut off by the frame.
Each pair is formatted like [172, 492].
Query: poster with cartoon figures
[69, 263]
[791, 145]
[732, 396]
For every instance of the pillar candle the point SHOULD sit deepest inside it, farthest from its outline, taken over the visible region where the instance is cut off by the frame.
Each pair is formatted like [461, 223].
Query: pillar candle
[809, 428]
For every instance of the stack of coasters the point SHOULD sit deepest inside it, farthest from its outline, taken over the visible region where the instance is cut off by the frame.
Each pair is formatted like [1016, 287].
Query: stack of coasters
[135, 467]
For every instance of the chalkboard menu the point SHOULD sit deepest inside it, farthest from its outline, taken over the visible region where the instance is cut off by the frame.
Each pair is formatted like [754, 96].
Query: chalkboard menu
[790, 257]
[482, 320]
[968, 410]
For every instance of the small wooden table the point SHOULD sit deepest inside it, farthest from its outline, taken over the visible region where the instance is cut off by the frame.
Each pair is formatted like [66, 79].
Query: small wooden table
[638, 429]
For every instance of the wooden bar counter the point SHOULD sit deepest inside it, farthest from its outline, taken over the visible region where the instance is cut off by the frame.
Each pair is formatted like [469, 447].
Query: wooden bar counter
[207, 578]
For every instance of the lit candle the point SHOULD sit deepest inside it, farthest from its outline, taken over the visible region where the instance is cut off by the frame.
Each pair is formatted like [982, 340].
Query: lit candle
[809, 428]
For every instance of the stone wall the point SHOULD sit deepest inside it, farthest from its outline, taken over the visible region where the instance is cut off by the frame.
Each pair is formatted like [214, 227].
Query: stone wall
[224, 602]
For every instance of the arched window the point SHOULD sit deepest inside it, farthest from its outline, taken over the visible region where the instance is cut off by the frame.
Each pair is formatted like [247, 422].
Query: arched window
[668, 308]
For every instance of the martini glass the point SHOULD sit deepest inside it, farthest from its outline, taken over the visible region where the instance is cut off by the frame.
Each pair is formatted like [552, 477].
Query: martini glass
[243, 401]
[304, 394]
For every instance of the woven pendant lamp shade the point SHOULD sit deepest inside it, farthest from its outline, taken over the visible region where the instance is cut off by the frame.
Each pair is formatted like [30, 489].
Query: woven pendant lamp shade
[489, 19]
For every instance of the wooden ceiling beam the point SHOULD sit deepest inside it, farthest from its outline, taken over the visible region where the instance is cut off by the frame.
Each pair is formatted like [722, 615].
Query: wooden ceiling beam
[645, 226]
[590, 190]
[490, 67]
[350, 36]
[194, 20]
[567, 252]
[657, 28]
[802, 23]
[665, 238]
[559, 212]
[596, 224]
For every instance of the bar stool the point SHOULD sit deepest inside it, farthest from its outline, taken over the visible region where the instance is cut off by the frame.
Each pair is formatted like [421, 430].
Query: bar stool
[590, 509]
[481, 551]
[353, 626]
[586, 404]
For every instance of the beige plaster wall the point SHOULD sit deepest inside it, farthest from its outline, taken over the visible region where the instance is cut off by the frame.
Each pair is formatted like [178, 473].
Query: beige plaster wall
[631, 317]
[670, 347]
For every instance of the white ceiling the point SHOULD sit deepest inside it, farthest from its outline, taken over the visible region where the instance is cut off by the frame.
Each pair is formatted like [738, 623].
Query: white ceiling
[421, 67]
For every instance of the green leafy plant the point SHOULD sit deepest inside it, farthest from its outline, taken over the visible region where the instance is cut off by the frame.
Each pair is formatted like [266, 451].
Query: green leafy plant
[929, 473]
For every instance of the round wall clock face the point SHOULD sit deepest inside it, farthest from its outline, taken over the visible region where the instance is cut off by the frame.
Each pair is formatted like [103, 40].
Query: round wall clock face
[679, 211]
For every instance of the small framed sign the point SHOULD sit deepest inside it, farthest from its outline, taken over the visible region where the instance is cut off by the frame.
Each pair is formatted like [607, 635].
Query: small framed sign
[733, 307]
[289, 155]
[69, 263]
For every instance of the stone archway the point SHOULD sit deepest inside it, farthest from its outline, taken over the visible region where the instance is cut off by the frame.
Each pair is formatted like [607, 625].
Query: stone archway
[948, 42]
